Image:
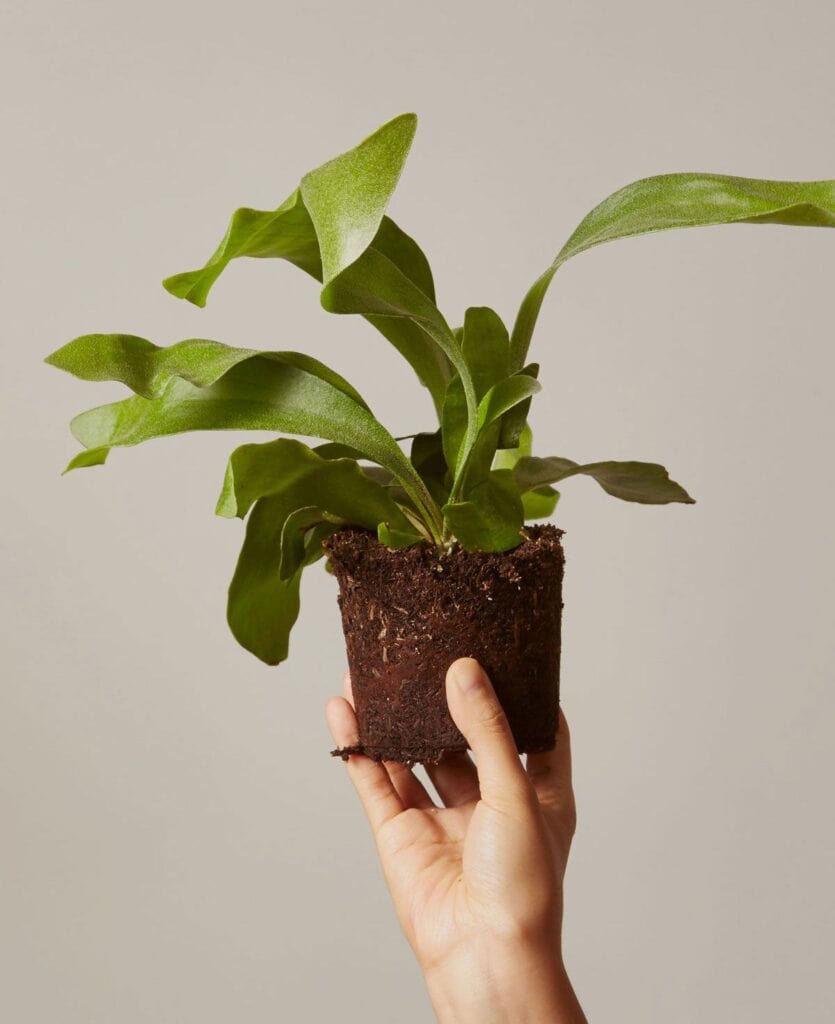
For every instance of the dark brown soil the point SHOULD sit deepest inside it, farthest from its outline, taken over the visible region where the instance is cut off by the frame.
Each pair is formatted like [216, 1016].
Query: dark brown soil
[408, 614]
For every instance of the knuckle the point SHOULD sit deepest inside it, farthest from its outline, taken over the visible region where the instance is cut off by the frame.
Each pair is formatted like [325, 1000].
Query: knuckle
[398, 834]
[492, 719]
[373, 789]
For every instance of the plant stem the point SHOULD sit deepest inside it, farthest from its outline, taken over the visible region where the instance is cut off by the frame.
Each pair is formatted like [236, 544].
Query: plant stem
[429, 512]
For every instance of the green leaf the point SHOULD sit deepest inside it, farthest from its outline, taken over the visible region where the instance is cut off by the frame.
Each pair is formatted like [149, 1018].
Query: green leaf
[506, 458]
[397, 538]
[485, 346]
[313, 541]
[678, 201]
[373, 285]
[262, 608]
[286, 233]
[491, 517]
[422, 352]
[515, 420]
[289, 468]
[296, 498]
[347, 196]
[337, 211]
[540, 502]
[643, 482]
[336, 214]
[89, 457]
[504, 396]
[208, 386]
[427, 456]
[454, 423]
[334, 450]
[384, 477]
[147, 368]
[404, 252]
[501, 397]
[302, 530]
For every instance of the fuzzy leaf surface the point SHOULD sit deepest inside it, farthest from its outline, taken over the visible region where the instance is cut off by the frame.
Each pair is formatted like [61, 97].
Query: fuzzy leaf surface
[325, 225]
[373, 285]
[301, 537]
[645, 482]
[540, 502]
[209, 386]
[261, 607]
[147, 368]
[285, 233]
[347, 197]
[501, 399]
[515, 420]
[454, 423]
[684, 200]
[503, 396]
[427, 456]
[297, 498]
[288, 467]
[397, 539]
[485, 345]
[491, 516]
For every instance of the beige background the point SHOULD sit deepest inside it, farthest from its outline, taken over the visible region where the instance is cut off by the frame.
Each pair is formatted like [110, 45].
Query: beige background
[176, 844]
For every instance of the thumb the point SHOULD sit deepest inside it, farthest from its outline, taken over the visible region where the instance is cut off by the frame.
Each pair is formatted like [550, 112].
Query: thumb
[476, 711]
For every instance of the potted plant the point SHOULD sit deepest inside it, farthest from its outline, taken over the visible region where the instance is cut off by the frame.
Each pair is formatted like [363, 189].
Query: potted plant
[430, 546]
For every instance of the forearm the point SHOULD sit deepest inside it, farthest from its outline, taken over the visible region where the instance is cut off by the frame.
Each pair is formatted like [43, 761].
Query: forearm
[512, 987]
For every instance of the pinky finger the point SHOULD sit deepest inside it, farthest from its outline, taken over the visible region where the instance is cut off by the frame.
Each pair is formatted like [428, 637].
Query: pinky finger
[379, 798]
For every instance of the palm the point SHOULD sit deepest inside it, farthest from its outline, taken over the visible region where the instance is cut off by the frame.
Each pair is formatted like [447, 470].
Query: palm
[422, 851]
[483, 871]
[453, 869]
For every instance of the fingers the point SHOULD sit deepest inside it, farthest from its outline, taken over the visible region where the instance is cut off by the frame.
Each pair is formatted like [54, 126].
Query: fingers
[477, 713]
[455, 778]
[409, 788]
[374, 786]
[550, 772]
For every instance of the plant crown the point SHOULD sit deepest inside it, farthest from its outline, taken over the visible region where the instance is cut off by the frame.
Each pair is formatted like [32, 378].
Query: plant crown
[472, 481]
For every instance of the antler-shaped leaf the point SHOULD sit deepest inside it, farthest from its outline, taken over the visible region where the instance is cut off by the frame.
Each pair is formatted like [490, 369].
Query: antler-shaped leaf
[504, 396]
[643, 482]
[304, 478]
[491, 516]
[205, 385]
[262, 607]
[347, 196]
[326, 225]
[297, 498]
[679, 201]
[373, 285]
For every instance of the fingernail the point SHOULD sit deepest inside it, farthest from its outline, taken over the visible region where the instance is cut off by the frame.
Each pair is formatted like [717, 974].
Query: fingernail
[467, 675]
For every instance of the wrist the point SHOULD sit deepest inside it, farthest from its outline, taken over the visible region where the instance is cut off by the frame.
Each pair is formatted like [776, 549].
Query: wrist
[503, 985]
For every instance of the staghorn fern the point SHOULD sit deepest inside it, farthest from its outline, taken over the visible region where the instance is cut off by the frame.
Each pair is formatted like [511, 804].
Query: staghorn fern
[473, 480]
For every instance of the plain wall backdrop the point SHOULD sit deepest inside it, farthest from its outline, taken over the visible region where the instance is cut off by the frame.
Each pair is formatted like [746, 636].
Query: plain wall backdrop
[176, 844]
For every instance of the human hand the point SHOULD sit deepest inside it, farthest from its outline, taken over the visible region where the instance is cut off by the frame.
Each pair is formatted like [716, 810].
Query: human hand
[476, 883]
